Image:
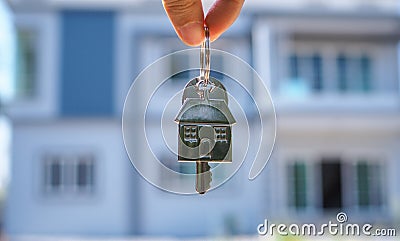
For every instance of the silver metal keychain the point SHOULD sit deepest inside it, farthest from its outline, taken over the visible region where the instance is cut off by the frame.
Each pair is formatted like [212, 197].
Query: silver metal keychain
[205, 122]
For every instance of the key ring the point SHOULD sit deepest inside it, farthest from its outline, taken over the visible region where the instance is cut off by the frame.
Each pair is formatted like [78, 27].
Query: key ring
[205, 57]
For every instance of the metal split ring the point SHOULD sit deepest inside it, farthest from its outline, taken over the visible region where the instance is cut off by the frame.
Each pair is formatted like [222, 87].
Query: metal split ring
[205, 57]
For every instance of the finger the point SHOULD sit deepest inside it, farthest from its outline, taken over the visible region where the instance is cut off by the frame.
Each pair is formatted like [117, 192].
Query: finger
[221, 15]
[187, 17]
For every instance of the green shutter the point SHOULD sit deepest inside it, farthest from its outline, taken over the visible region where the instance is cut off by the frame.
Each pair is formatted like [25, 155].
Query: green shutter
[298, 185]
[365, 63]
[363, 184]
[26, 65]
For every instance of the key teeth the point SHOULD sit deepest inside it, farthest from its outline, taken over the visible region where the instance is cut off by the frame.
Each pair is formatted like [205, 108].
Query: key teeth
[203, 178]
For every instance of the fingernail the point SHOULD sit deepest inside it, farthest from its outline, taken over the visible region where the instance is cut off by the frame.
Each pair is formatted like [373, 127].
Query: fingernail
[192, 33]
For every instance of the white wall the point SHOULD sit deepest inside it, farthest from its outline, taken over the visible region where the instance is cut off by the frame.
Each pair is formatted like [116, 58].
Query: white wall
[164, 213]
[337, 137]
[5, 134]
[106, 212]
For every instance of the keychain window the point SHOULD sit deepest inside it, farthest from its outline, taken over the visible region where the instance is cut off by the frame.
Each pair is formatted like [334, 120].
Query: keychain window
[191, 133]
[220, 133]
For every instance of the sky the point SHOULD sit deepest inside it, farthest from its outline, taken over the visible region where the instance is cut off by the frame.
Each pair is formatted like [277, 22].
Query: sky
[6, 89]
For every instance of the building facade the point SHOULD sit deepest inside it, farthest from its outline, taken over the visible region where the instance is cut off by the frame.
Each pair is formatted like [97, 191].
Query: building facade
[333, 73]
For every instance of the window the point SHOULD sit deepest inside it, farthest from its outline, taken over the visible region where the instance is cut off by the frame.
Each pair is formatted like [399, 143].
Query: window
[85, 169]
[365, 73]
[179, 62]
[220, 134]
[190, 133]
[297, 185]
[368, 184]
[353, 73]
[333, 68]
[329, 184]
[306, 71]
[294, 67]
[331, 175]
[168, 159]
[317, 72]
[181, 66]
[186, 168]
[26, 66]
[55, 175]
[64, 174]
[217, 66]
[86, 52]
[342, 72]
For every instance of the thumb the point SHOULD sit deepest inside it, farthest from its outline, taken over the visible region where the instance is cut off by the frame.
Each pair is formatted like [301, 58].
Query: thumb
[187, 17]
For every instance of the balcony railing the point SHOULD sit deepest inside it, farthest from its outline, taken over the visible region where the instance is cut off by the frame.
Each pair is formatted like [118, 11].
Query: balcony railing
[374, 5]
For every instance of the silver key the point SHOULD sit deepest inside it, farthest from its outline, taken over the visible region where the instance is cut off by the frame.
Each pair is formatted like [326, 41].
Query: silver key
[205, 133]
[205, 122]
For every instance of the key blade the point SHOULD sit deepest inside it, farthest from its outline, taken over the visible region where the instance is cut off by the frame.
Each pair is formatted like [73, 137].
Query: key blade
[203, 177]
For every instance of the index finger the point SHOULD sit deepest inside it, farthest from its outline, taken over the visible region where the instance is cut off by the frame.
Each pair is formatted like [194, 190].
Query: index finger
[187, 18]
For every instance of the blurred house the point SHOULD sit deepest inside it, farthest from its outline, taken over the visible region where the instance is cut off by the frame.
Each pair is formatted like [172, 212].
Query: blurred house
[333, 71]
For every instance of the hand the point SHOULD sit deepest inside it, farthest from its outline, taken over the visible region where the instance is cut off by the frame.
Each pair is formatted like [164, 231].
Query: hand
[187, 17]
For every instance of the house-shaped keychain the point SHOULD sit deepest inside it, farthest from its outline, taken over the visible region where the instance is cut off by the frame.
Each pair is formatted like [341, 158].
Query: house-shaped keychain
[205, 124]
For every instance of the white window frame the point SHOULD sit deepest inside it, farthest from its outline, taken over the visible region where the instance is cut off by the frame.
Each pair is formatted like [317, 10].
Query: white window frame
[69, 174]
[44, 103]
[90, 163]
[26, 93]
[377, 98]
[329, 51]
[349, 193]
[369, 161]
[273, 37]
[310, 185]
[47, 165]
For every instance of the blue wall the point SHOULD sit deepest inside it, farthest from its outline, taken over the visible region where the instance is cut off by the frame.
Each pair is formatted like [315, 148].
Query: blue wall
[87, 69]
